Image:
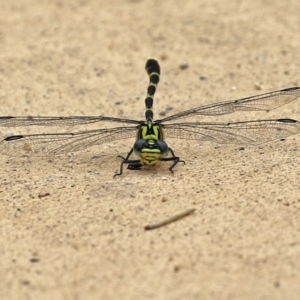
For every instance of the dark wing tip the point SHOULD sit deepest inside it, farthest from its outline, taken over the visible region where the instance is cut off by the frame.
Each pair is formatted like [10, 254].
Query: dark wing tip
[294, 88]
[13, 137]
[6, 118]
[287, 121]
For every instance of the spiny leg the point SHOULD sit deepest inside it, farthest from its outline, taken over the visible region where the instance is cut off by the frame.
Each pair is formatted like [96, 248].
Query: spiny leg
[133, 164]
[174, 158]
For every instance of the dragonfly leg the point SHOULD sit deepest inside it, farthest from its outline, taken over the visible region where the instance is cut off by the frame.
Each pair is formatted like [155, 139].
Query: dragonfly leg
[133, 164]
[174, 158]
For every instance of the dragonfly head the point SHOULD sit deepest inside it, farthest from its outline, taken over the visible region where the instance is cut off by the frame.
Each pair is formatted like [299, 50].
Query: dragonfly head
[150, 151]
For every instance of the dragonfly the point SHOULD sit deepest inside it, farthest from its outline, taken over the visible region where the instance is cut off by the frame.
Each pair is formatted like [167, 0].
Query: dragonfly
[150, 146]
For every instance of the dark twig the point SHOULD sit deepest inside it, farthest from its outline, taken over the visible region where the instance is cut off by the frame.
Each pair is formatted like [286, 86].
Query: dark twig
[170, 220]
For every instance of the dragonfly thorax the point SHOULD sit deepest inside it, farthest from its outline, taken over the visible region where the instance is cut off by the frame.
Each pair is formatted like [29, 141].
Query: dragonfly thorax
[150, 131]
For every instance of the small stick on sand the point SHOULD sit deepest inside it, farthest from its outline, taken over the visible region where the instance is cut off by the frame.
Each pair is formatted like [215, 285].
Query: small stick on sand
[170, 220]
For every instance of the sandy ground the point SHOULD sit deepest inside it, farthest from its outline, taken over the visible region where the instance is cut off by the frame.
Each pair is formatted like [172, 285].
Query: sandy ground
[71, 231]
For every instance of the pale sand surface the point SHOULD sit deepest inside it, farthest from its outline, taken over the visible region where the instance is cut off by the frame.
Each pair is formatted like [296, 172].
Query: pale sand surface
[70, 231]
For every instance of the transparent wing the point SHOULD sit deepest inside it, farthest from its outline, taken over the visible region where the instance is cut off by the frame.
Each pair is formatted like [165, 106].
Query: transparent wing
[8, 121]
[264, 102]
[250, 132]
[60, 143]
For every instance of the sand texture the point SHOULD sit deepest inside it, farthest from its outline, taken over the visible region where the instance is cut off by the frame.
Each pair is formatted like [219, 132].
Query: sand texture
[71, 231]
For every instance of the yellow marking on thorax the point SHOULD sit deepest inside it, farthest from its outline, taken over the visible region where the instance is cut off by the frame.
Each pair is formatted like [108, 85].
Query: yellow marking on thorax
[157, 133]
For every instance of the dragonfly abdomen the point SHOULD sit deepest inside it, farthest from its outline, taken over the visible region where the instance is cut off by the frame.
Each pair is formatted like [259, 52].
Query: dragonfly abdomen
[153, 70]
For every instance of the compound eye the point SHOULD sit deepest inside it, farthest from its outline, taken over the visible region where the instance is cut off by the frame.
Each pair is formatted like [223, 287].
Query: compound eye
[139, 145]
[163, 147]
